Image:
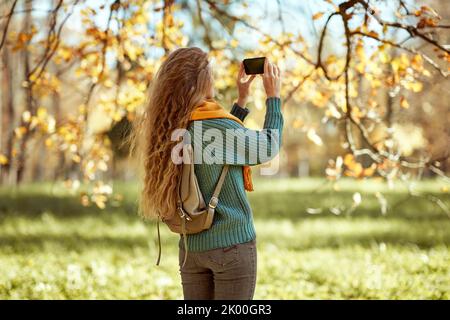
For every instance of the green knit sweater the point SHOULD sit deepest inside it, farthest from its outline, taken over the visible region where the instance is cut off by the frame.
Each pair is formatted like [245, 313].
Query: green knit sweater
[233, 219]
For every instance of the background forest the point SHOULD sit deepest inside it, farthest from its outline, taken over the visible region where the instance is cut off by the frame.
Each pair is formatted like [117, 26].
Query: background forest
[362, 194]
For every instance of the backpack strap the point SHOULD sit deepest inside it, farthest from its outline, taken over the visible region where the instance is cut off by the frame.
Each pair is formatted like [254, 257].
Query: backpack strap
[215, 196]
[183, 230]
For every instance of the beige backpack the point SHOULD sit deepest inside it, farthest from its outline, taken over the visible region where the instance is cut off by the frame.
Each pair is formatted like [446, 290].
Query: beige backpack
[193, 215]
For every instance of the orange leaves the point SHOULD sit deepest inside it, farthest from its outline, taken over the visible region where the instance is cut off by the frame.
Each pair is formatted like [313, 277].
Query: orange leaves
[417, 62]
[404, 103]
[22, 39]
[426, 22]
[428, 17]
[95, 33]
[373, 34]
[426, 10]
[317, 15]
[349, 167]
[355, 169]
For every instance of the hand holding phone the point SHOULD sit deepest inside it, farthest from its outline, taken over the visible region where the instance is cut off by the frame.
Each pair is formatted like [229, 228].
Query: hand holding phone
[270, 73]
[243, 86]
[271, 79]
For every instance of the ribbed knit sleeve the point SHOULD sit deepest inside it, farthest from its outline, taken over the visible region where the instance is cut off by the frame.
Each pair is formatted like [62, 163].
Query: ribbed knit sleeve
[225, 141]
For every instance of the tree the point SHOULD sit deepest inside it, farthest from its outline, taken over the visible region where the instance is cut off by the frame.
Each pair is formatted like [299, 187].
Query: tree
[390, 51]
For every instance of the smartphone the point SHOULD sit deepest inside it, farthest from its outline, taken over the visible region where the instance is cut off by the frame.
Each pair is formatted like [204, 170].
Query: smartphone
[254, 65]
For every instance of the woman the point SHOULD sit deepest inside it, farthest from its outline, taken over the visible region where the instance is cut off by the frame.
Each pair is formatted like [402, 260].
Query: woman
[222, 260]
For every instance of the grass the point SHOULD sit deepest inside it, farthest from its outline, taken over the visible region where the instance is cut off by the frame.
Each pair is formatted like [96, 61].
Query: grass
[53, 248]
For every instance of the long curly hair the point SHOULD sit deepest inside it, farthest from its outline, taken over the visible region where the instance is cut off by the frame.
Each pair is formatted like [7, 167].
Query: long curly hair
[182, 82]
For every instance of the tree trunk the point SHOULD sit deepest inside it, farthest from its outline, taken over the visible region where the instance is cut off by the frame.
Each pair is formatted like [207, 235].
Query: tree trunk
[56, 103]
[28, 98]
[7, 112]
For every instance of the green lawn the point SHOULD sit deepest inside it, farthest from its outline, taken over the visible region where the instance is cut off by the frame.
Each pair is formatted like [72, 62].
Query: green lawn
[52, 247]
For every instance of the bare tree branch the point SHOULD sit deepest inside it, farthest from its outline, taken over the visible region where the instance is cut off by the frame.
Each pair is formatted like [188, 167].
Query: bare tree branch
[5, 28]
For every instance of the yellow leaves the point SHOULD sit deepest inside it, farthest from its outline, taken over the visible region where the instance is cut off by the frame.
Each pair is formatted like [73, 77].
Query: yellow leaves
[42, 120]
[320, 99]
[359, 49]
[400, 63]
[348, 159]
[68, 133]
[82, 109]
[76, 158]
[357, 113]
[384, 57]
[3, 159]
[99, 195]
[360, 67]
[49, 142]
[414, 86]
[63, 54]
[100, 200]
[41, 113]
[331, 59]
[404, 103]
[234, 43]
[405, 69]
[132, 50]
[317, 15]
[87, 11]
[361, 54]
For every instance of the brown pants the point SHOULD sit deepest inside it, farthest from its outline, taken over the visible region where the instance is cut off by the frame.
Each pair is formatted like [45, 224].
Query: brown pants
[224, 273]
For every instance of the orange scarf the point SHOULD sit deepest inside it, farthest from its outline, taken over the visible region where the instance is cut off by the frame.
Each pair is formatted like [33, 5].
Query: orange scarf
[210, 109]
